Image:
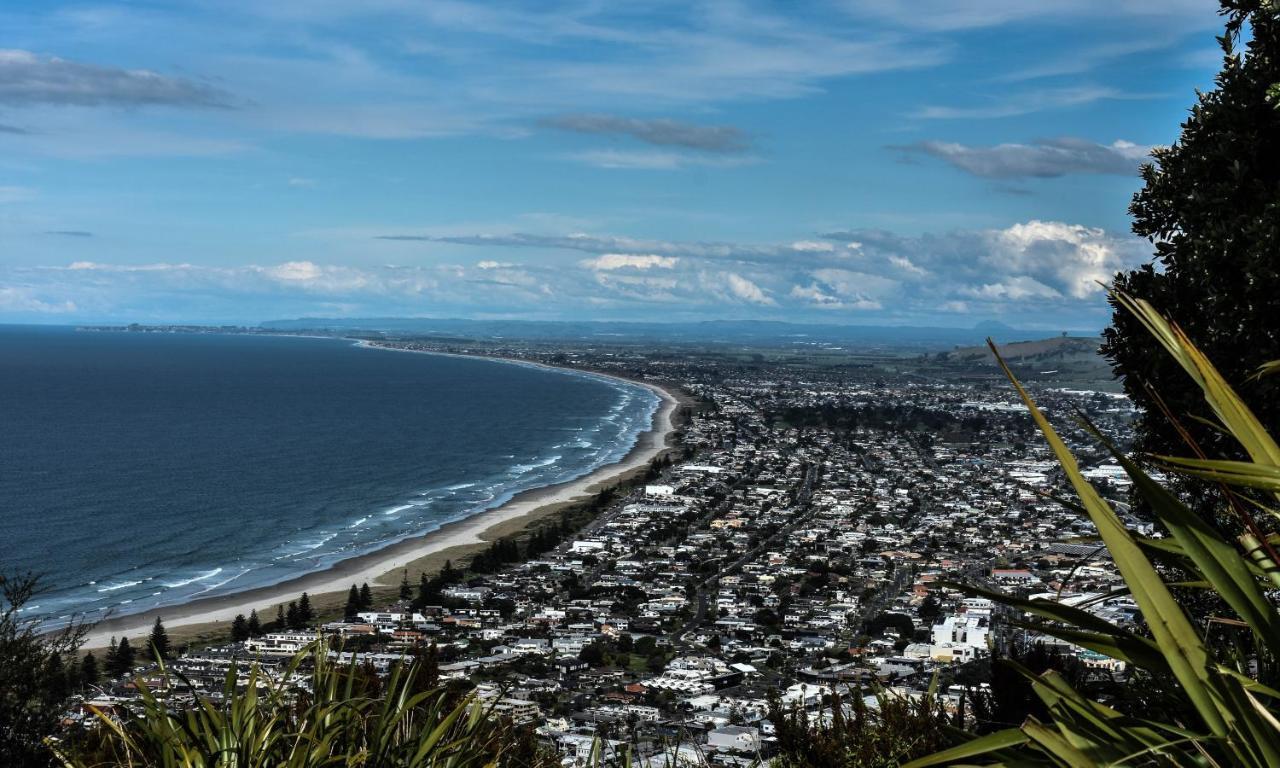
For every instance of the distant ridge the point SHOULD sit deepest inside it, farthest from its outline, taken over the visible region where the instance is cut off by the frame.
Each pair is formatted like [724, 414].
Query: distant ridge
[711, 331]
[1058, 350]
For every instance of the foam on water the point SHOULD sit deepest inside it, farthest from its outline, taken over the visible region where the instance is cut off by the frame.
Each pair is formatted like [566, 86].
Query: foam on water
[116, 587]
[194, 579]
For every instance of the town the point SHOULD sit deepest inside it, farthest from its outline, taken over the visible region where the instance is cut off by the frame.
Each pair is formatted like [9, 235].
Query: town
[806, 534]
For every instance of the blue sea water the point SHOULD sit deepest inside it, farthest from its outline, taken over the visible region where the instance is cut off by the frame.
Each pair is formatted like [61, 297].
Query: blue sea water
[140, 470]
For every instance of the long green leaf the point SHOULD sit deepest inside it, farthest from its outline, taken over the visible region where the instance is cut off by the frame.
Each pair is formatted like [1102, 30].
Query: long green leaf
[1186, 653]
[985, 745]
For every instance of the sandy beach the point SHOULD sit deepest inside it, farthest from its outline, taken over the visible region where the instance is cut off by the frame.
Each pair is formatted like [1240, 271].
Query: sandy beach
[384, 566]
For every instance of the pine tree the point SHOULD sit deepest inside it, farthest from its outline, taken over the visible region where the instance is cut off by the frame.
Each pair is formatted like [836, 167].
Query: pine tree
[305, 615]
[352, 609]
[255, 626]
[426, 592]
[239, 629]
[111, 660]
[447, 574]
[57, 679]
[406, 591]
[124, 658]
[366, 596]
[159, 640]
[291, 616]
[281, 624]
[89, 673]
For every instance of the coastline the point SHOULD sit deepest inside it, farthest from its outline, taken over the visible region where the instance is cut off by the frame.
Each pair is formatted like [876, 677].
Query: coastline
[382, 567]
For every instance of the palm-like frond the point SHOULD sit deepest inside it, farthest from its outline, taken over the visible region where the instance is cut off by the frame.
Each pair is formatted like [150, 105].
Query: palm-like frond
[291, 719]
[1236, 722]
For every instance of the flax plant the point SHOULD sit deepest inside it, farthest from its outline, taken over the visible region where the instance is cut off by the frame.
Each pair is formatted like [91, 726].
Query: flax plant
[332, 714]
[1229, 716]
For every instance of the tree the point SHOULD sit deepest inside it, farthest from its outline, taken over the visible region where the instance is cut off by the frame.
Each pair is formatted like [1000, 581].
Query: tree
[930, 609]
[447, 574]
[366, 596]
[122, 663]
[109, 658]
[352, 608]
[291, 616]
[159, 640]
[305, 614]
[58, 678]
[898, 622]
[239, 629]
[255, 626]
[406, 591]
[89, 673]
[426, 592]
[282, 621]
[1208, 204]
[593, 654]
[33, 679]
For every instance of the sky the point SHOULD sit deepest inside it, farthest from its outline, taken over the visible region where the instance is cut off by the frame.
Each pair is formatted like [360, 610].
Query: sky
[933, 162]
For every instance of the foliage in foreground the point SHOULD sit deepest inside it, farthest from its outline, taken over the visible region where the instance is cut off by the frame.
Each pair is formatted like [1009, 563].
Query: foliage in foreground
[35, 676]
[332, 715]
[1220, 663]
[858, 735]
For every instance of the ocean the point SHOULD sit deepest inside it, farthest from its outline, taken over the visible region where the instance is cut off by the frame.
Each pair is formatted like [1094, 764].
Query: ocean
[140, 470]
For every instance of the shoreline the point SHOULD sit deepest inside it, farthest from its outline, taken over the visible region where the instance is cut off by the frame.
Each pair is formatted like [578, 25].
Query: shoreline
[382, 567]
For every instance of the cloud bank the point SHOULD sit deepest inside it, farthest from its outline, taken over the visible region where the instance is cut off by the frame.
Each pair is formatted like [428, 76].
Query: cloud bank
[661, 132]
[1032, 273]
[27, 79]
[1047, 158]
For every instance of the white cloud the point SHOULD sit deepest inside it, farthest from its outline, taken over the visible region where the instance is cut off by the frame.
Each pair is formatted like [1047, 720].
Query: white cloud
[905, 264]
[91, 266]
[817, 297]
[1017, 288]
[1042, 260]
[610, 261]
[295, 271]
[748, 291]
[1073, 257]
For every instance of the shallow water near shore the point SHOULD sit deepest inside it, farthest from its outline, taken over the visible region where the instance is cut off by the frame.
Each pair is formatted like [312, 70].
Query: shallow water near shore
[143, 470]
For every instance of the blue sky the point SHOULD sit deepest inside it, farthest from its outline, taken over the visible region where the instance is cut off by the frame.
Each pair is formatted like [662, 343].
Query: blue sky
[925, 163]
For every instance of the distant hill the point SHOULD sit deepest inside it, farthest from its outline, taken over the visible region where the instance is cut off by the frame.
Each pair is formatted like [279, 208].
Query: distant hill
[1064, 361]
[1059, 350]
[734, 332]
